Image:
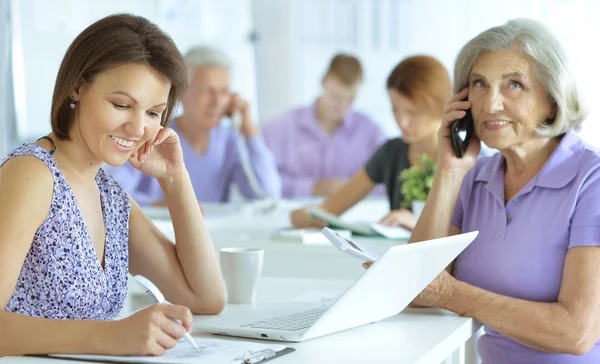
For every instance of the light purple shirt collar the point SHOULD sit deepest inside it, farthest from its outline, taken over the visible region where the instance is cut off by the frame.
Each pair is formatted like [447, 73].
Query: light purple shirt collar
[560, 169]
[311, 122]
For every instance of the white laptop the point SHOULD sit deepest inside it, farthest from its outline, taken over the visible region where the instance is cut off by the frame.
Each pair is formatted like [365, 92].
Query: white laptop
[384, 290]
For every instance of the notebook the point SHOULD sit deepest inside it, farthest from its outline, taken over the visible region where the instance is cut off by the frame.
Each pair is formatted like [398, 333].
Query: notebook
[212, 351]
[361, 228]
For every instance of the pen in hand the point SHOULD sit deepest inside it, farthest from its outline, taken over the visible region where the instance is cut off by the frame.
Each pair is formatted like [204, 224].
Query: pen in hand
[157, 297]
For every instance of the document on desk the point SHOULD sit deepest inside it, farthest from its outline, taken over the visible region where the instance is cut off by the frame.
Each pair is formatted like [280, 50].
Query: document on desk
[211, 351]
[361, 227]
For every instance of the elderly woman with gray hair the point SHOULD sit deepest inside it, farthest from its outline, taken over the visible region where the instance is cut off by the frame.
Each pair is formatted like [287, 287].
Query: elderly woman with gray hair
[532, 276]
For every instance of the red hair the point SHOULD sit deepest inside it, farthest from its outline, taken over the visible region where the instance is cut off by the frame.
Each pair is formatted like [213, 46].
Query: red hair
[425, 81]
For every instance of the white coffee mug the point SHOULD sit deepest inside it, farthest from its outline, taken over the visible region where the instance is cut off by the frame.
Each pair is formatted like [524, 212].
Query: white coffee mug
[241, 268]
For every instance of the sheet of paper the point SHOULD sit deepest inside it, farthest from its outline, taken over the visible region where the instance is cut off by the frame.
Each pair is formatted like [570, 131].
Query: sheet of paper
[213, 351]
[316, 296]
[392, 232]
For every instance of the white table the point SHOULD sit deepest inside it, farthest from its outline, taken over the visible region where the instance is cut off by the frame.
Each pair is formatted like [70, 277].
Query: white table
[247, 226]
[414, 337]
[250, 226]
[425, 336]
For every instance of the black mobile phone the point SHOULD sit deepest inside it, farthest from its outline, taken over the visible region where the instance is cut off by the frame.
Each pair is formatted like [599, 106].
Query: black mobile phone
[463, 125]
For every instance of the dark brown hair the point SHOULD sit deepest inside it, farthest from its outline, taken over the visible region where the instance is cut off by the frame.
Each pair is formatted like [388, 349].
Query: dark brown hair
[346, 69]
[110, 42]
[425, 81]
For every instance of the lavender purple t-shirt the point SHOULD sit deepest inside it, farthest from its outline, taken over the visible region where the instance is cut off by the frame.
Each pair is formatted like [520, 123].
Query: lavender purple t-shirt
[521, 247]
[305, 154]
[211, 173]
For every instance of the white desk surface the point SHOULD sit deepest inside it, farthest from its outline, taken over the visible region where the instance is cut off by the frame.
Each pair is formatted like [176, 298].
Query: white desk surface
[425, 336]
[415, 336]
[261, 216]
[248, 226]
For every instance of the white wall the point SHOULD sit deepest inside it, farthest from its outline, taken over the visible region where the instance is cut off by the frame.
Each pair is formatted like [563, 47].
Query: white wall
[42, 31]
[5, 105]
[298, 38]
[226, 24]
[273, 56]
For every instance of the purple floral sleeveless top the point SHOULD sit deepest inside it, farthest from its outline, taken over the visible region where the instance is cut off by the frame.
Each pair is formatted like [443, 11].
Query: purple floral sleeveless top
[61, 277]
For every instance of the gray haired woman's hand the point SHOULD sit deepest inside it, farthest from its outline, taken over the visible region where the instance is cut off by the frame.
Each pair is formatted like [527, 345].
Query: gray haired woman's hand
[447, 159]
[438, 293]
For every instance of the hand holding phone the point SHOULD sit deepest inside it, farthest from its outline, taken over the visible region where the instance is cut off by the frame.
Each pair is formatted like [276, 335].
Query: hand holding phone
[238, 110]
[464, 124]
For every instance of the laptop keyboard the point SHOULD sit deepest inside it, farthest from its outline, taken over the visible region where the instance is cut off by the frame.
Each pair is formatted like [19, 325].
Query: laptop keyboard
[293, 322]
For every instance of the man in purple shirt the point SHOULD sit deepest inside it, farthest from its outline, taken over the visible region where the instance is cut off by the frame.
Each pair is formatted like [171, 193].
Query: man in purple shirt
[318, 147]
[532, 275]
[213, 152]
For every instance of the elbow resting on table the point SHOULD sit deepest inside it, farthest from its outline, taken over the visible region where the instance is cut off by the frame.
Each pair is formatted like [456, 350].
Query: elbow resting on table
[210, 306]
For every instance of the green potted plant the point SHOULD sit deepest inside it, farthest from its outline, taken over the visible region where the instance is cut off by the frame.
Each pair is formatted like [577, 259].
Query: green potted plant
[416, 183]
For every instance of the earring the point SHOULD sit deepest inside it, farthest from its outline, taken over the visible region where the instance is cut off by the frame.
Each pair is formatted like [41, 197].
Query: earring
[72, 105]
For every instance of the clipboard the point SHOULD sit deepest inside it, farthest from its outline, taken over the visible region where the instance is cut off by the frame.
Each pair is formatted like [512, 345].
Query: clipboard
[252, 359]
[266, 355]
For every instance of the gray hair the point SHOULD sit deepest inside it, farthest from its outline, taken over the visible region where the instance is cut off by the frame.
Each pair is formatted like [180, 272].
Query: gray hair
[537, 43]
[205, 56]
